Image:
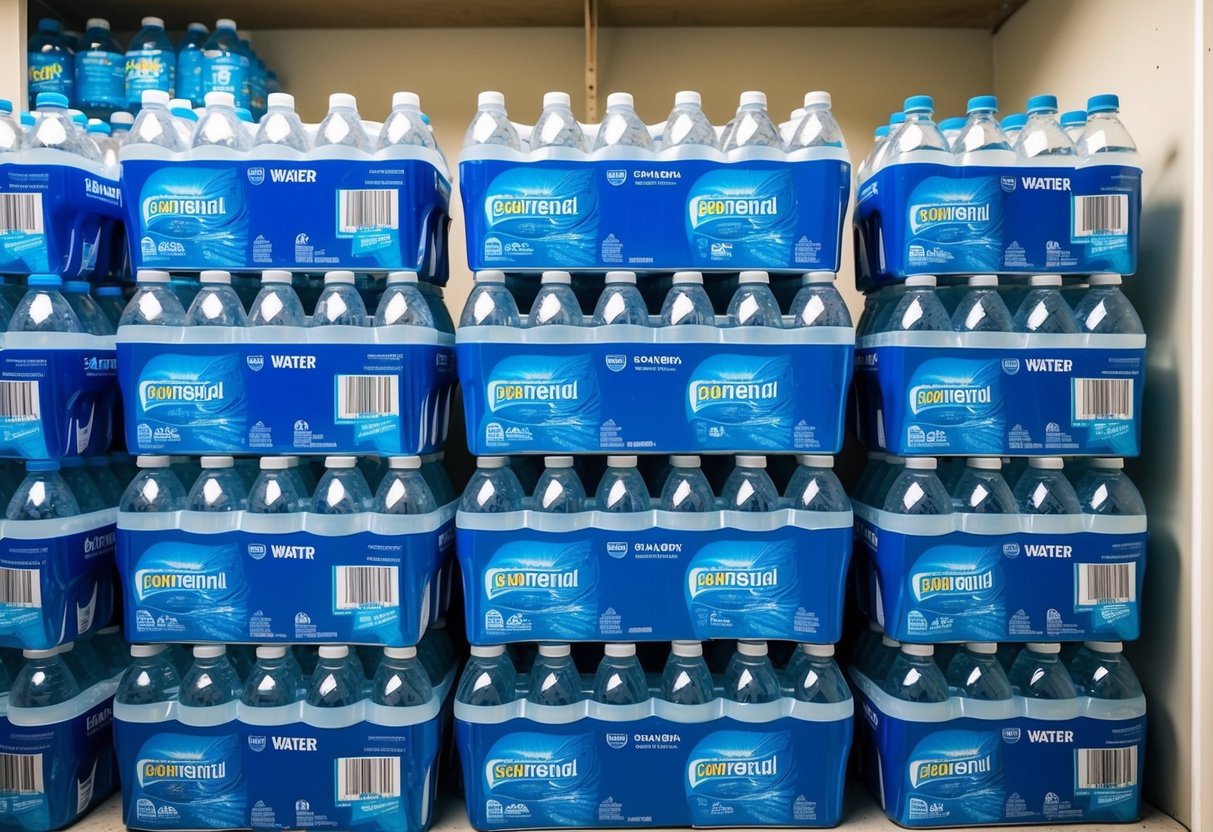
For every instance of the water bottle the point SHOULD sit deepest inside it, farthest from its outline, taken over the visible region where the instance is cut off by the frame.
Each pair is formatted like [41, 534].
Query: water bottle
[493, 488]
[402, 303]
[818, 303]
[753, 304]
[120, 126]
[1044, 489]
[220, 126]
[184, 119]
[556, 126]
[1099, 670]
[83, 487]
[815, 487]
[335, 682]
[621, 488]
[1104, 308]
[52, 66]
[488, 677]
[880, 138]
[403, 490]
[975, 673]
[1105, 488]
[748, 487]
[749, 677]
[982, 309]
[620, 678]
[914, 676]
[43, 494]
[893, 466]
[918, 133]
[686, 679]
[54, 128]
[87, 147]
[687, 302]
[153, 303]
[225, 66]
[559, 490]
[100, 70]
[620, 302]
[258, 84]
[281, 125]
[555, 303]
[686, 487]
[211, 680]
[277, 303]
[156, 488]
[951, 128]
[1012, 125]
[342, 126]
[1073, 123]
[276, 489]
[919, 308]
[981, 489]
[189, 63]
[1104, 132]
[812, 675]
[400, 681]
[218, 487]
[686, 124]
[916, 490]
[12, 136]
[554, 678]
[982, 135]
[491, 125]
[621, 127]
[405, 126]
[887, 149]
[490, 303]
[1042, 135]
[92, 319]
[155, 124]
[342, 489]
[339, 303]
[44, 680]
[818, 127]
[216, 303]
[274, 680]
[43, 308]
[752, 126]
[887, 651]
[150, 678]
[1038, 673]
[151, 62]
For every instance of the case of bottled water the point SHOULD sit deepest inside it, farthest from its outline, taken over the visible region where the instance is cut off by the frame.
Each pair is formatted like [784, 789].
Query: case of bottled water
[1058, 737]
[680, 194]
[1008, 370]
[748, 379]
[625, 564]
[380, 374]
[228, 744]
[345, 193]
[548, 750]
[987, 202]
[275, 562]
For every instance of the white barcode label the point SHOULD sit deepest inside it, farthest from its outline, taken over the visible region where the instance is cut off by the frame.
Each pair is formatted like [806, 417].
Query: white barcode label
[20, 587]
[1103, 398]
[21, 212]
[19, 401]
[1107, 768]
[359, 397]
[1101, 215]
[367, 210]
[21, 773]
[359, 778]
[1106, 583]
[367, 586]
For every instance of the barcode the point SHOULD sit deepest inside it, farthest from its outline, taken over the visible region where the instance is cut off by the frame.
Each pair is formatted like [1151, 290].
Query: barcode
[84, 790]
[369, 209]
[1104, 768]
[1103, 398]
[1106, 583]
[1107, 214]
[21, 212]
[367, 586]
[21, 773]
[19, 401]
[361, 396]
[20, 587]
[363, 777]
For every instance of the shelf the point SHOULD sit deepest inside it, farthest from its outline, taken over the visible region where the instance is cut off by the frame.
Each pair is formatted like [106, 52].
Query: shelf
[395, 14]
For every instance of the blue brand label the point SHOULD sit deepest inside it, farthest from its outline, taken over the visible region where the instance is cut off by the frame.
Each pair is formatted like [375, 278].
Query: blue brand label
[148, 69]
[101, 80]
[50, 72]
[556, 777]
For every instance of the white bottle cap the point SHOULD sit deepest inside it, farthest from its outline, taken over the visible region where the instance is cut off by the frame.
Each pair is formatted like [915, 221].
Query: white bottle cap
[146, 651]
[492, 461]
[338, 277]
[619, 651]
[342, 99]
[983, 280]
[271, 651]
[97, 23]
[152, 21]
[817, 98]
[276, 276]
[623, 461]
[1108, 463]
[219, 99]
[217, 462]
[753, 97]
[490, 276]
[340, 461]
[888, 641]
[688, 277]
[209, 651]
[401, 277]
[334, 651]
[554, 651]
[404, 463]
[490, 98]
[1105, 280]
[121, 117]
[821, 651]
[180, 104]
[684, 461]
[819, 277]
[1104, 646]
[281, 99]
[152, 276]
[752, 648]
[920, 280]
[815, 460]
[621, 277]
[986, 648]
[753, 277]
[406, 99]
[225, 23]
[487, 651]
[152, 97]
[918, 649]
[556, 99]
[400, 652]
[922, 463]
[751, 461]
[620, 99]
[215, 276]
[985, 463]
[690, 97]
[1044, 647]
[686, 649]
[1045, 280]
[152, 461]
[556, 277]
[40, 654]
[274, 463]
[558, 462]
[1049, 463]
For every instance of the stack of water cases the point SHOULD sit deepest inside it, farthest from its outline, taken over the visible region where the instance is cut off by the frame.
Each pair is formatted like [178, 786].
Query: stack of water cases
[713, 566]
[1027, 542]
[293, 521]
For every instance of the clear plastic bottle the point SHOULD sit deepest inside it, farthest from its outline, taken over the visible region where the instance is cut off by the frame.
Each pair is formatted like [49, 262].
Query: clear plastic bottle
[620, 678]
[1100, 670]
[686, 487]
[554, 679]
[216, 303]
[274, 680]
[491, 125]
[219, 125]
[218, 487]
[92, 319]
[1038, 673]
[225, 65]
[752, 126]
[151, 62]
[211, 680]
[555, 304]
[120, 126]
[686, 124]
[88, 148]
[51, 64]
[982, 489]
[44, 680]
[11, 134]
[1044, 489]
[917, 490]
[1042, 135]
[1106, 489]
[982, 309]
[493, 488]
[489, 677]
[559, 490]
[753, 304]
[400, 681]
[975, 673]
[750, 678]
[1043, 310]
[1074, 122]
[557, 126]
[622, 488]
[748, 487]
[621, 127]
[812, 675]
[620, 302]
[277, 303]
[490, 303]
[815, 487]
[339, 303]
[335, 683]
[403, 490]
[54, 128]
[155, 489]
[1104, 308]
[914, 676]
[880, 137]
[342, 126]
[343, 489]
[1104, 132]
[981, 134]
[818, 127]
[83, 487]
[405, 125]
[281, 125]
[43, 308]
[819, 303]
[918, 132]
[153, 303]
[98, 132]
[100, 70]
[189, 63]
[951, 128]
[1012, 125]
[43, 494]
[686, 680]
[687, 302]
[402, 303]
[276, 489]
[919, 309]
[150, 678]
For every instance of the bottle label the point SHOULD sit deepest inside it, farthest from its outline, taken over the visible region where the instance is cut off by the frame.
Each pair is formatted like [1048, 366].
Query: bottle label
[189, 76]
[101, 80]
[148, 69]
[226, 72]
[50, 72]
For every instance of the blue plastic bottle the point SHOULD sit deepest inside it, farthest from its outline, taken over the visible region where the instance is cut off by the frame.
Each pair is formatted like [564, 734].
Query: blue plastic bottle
[343, 489]
[276, 489]
[1043, 309]
[1073, 122]
[400, 681]
[914, 676]
[43, 494]
[339, 303]
[750, 678]
[749, 487]
[211, 680]
[52, 66]
[982, 309]
[490, 303]
[815, 487]
[975, 673]
[555, 303]
[335, 682]
[622, 488]
[225, 66]
[492, 488]
[620, 302]
[150, 679]
[1100, 670]
[402, 303]
[1044, 489]
[1012, 125]
[620, 126]
[686, 680]
[686, 487]
[151, 62]
[277, 303]
[951, 128]
[216, 303]
[112, 303]
[556, 125]
[1038, 673]
[43, 681]
[981, 489]
[818, 303]
[753, 304]
[559, 489]
[917, 490]
[687, 302]
[190, 62]
[554, 679]
[100, 71]
[812, 675]
[1104, 308]
[342, 126]
[488, 677]
[218, 487]
[1106, 489]
[620, 678]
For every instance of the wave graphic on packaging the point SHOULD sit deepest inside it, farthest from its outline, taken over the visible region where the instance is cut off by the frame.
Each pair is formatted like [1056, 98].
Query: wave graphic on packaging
[196, 391]
[196, 209]
[742, 392]
[958, 221]
[555, 582]
[752, 213]
[201, 587]
[557, 777]
[542, 392]
[965, 583]
[963, 768]
[201, 778]
[959, 393]
[732, 584]
[552, 209]
[736, 778]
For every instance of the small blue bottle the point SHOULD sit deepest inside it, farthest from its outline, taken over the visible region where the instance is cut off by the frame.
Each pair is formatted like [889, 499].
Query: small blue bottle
[812, 675]
[43, 681]
[100, 71]
[981, 489]
[225, 66]
[914, 676]
[151, 62]
[975, 673]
